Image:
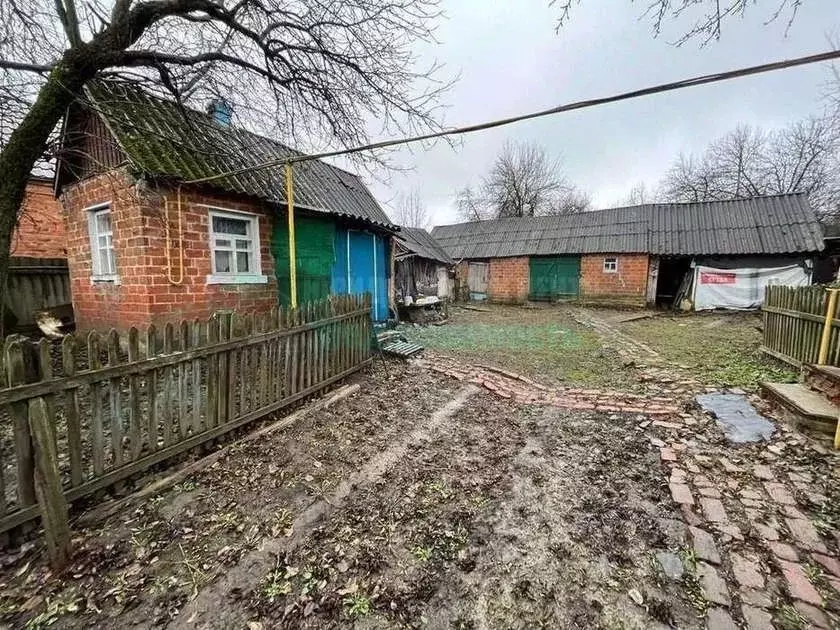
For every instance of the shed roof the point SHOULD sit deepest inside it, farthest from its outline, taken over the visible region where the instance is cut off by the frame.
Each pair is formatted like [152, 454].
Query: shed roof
[780, 224]
[421, 243]
[162, 139]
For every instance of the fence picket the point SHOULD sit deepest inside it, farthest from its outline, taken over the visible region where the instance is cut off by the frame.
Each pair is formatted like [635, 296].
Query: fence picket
[115, 399]
[196, 378]
[184, 344]
[71, 411]
[135, 439]
[169, 431]
[212, 374]
[97, 436]
[152, 388]
[19, 413]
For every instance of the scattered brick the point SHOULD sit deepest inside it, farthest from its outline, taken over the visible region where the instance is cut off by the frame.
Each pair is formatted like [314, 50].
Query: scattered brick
[751, 494]
[719, 619]
[798, 584]
[759, 599]
[693, 468]
[714, 510]
[750, 503]
[666, 425]
[681, 493]
[783, 551]
[714, 587]
[763, 472]
[689, 516]
[731, 530]
[812, 614]
[728, 466]
[793, 512]
[710, 492]
[667, 455]
[701, 481]
[835, 584]
[757, 619]
[765, 532]
[829, 563]
[704, 545]
[779, 493]
[805, 534]
[747, 571]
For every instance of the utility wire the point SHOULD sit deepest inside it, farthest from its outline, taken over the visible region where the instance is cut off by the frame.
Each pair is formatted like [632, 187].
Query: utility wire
[656, 89]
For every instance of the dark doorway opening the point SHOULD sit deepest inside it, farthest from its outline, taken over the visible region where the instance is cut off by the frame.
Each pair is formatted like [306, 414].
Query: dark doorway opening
[672, 272]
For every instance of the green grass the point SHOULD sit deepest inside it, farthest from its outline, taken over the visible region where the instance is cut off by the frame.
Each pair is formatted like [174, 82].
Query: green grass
[719, 349]
[544, 344]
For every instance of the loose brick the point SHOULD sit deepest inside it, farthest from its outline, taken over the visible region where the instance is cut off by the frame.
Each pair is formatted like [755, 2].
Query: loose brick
[747, 571]
[714, 587]
[758, 599]
[719, 619]
[710, 492]
[757, 619]
[763, 472]
[813, 614]
[667, 455]
[765, 532]
[779, 493]
[829, 563]
[783, 551]
[714, 510]
[798, 584]
[704, 545]
[805, 534]
[681, 493]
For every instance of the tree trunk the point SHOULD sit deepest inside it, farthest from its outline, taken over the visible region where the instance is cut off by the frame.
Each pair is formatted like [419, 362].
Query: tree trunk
[27, 143]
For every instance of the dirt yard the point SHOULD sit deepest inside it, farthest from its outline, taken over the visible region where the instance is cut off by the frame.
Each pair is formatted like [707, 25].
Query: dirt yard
[450, 493]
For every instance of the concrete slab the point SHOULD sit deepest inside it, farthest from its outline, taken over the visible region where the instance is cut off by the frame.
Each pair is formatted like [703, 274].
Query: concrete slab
[803, 400]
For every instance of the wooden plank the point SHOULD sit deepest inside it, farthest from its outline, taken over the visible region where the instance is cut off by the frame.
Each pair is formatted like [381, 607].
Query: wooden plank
[115, 404]
[71, 411]
[51, 501]
[24, 458]
[183, 345]
[264, 368]
[196, 379]
[152, 388]
[212, 403]
[97, 432]
[86, 377]
[245, 365]
[232, 374]
[168, 426]
[135, 435]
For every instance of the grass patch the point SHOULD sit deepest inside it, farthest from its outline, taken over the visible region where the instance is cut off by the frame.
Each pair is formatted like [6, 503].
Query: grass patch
[544, 344]
[720, 350]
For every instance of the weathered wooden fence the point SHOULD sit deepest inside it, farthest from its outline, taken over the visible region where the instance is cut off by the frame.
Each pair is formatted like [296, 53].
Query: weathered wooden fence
[794, 319]
[36, 284]
[120, 404]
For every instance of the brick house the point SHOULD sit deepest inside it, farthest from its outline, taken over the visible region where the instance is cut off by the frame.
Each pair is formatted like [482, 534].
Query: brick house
[40, 231]
[144, 246]
[703, 255]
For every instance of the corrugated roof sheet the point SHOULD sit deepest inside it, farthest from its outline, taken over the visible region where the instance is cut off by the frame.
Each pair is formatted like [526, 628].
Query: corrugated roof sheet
[160, 138]
[421, 243]
[781, 224]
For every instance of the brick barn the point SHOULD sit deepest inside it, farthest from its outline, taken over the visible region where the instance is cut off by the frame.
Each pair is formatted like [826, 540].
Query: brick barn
[145, 247]
[697, 255]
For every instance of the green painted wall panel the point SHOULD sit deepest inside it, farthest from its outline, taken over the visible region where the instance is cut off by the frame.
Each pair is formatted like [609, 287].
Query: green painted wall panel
[554, 277]
[315, 250]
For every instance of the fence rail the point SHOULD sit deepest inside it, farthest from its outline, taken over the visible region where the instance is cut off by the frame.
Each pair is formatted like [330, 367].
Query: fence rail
[121, 404]
[35, 284]
[794, 319]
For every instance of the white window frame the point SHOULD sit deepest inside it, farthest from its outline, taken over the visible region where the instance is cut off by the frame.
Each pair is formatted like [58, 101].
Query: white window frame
[97, 274]
[610, 264]
[253, 277]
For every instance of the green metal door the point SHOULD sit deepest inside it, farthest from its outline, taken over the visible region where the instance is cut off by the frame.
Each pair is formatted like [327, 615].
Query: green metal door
[554, 277]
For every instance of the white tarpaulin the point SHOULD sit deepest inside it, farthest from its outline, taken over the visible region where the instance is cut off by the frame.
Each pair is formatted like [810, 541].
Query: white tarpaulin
[742, 288]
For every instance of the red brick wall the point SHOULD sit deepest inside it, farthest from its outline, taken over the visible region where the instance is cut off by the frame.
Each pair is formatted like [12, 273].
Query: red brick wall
[145, 294]
[627, 285]
[40, 231]
[509, 279]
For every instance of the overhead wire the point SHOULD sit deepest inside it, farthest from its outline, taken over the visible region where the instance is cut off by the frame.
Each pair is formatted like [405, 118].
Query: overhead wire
[623, 96]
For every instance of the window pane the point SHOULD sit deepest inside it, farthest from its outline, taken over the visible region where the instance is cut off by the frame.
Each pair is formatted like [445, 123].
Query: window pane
[104, 262]
[243, 262]
[103, 222]
[222, 262]
[222, 242]
[226, 225]
[243, 245]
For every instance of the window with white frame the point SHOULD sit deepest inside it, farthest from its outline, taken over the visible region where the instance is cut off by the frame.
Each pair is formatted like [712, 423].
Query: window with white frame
[234, 248]
[610, 265]
[104, 262]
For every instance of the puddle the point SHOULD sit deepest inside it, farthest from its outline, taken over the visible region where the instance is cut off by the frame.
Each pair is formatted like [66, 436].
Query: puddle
[737, 417]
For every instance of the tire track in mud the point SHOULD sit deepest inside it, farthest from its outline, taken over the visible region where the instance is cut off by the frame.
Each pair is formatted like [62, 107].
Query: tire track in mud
[207, 611]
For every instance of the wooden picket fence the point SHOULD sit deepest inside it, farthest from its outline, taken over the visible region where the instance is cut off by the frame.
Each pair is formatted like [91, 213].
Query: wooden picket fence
[118, 405]
[794, 318]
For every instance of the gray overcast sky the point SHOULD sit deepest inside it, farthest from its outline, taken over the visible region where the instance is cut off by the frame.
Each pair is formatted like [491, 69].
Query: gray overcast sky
[511, 61]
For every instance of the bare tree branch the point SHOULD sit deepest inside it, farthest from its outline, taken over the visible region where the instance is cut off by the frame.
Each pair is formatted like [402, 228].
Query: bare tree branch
[411, 211]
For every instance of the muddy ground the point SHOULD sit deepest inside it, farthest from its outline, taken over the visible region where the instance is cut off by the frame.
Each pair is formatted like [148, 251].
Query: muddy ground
[418, 502]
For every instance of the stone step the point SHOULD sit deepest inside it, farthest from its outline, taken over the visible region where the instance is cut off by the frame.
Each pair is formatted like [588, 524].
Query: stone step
[803, 406]
[824, 379]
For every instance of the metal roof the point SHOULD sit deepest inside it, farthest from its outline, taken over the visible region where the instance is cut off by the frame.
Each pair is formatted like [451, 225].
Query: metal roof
[161, 138]
[780, 224]
[420, 242]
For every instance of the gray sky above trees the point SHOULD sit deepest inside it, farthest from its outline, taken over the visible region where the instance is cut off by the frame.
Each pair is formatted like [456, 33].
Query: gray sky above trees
[511, 60]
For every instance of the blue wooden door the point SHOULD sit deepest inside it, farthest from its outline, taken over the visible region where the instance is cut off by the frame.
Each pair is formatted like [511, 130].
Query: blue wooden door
[361, 267]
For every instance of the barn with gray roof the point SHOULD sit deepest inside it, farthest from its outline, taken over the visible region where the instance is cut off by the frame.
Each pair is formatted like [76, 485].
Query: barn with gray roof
[640, 254]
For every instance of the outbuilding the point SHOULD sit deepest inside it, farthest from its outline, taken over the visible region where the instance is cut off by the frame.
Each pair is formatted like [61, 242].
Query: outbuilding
[716, 254]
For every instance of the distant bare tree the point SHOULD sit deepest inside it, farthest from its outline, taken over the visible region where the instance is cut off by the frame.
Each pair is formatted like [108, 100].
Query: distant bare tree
[705, 17]
[308, 69]
[638, 195]
[747, 162]
[411, 212]
[524, 181]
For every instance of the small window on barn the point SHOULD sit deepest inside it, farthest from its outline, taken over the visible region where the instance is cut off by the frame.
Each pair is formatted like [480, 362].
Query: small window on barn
[234, 248]
[610, 265]
[103, 259]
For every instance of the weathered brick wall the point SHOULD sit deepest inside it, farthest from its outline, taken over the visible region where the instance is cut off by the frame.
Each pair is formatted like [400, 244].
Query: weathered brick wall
[627, 285]
[40, 231]
[145, 292]
[509, 279]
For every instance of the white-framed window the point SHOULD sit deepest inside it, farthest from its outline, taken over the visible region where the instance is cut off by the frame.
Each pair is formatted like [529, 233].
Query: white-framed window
[610, 265]
[103, 258]
[234, 248]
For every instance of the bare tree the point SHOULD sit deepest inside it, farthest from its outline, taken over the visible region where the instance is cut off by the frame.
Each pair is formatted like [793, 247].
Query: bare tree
[411, 211]
[317, 70]
[705, 18]
[638, 195]
[524, 181]
[748, 162]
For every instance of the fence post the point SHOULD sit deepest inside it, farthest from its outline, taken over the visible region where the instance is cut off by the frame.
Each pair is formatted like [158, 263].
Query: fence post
[48, 484]
[829, 321]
